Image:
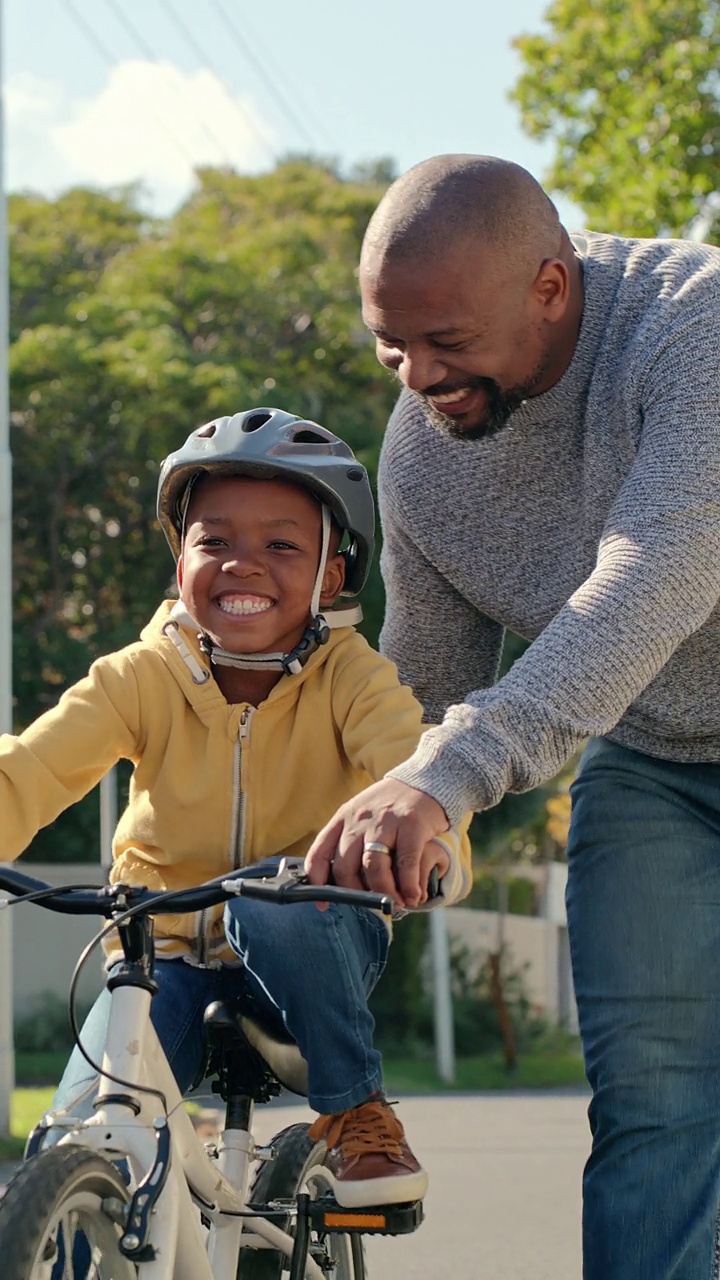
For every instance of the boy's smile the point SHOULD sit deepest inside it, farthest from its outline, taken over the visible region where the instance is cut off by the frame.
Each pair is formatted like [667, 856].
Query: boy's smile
[249, 560]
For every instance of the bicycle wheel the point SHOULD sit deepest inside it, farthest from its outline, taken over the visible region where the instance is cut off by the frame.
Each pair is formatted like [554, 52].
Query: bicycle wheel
[282, 1179]
[60, 1216]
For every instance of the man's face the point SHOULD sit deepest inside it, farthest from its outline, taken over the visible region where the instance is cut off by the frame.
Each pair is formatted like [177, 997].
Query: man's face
[468, 344]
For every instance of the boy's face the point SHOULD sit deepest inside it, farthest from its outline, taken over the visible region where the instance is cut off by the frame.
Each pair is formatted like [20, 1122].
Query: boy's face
[249, 560]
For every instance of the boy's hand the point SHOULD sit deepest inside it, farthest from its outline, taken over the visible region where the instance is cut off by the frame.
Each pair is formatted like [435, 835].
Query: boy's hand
[433, 855]
[399, 819]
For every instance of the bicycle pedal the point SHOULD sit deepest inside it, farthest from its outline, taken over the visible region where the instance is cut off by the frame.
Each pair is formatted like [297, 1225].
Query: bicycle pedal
[380, 1220]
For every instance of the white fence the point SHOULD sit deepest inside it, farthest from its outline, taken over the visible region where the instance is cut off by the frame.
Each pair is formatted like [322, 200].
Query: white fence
[46, 945]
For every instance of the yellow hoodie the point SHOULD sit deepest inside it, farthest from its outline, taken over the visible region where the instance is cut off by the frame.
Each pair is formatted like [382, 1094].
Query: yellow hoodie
[215, 785]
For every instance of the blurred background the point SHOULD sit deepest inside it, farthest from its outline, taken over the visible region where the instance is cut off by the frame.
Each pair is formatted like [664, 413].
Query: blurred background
[188, 187]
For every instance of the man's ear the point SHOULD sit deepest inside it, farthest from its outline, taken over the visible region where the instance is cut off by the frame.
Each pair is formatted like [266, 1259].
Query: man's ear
[551, 288]
[333, 580]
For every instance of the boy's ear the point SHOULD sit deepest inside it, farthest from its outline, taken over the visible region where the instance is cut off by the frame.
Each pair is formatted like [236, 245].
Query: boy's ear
[333, 580]
[179, 574]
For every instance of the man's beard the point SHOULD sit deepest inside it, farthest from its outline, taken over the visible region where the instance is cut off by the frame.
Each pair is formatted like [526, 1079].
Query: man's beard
[501, 405]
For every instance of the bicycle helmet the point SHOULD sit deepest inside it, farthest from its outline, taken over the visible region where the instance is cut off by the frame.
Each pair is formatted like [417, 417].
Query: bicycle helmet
[272, 444]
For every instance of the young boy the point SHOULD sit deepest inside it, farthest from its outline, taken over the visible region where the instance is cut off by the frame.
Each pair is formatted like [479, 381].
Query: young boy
[250, 710]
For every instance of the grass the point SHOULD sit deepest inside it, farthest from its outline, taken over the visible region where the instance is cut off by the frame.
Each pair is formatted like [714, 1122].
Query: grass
[27, 1106]
[535, 1070]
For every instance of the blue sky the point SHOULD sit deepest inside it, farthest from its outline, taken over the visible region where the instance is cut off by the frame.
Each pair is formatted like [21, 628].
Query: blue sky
[111, 91]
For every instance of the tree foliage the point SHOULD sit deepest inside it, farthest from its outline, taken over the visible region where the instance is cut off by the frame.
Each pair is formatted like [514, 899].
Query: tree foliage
[127, 332]
[629, 91]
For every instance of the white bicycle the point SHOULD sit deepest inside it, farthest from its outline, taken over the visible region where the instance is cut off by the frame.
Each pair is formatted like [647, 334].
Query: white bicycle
[133, 1193]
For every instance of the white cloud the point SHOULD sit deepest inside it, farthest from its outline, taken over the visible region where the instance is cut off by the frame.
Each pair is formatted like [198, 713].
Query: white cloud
[150, 123]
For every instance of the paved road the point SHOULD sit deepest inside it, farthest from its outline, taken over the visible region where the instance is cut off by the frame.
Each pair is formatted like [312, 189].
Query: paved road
[504, 1198]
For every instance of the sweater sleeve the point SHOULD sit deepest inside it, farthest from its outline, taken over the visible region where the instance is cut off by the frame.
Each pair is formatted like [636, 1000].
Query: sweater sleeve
[381, 722]
[656, 581]
[65, 752]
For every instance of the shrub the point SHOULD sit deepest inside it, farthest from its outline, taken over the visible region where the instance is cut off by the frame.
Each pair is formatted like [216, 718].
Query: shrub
[402, 1002]
[399, 1002]
[477, 1028]
[46, 1027]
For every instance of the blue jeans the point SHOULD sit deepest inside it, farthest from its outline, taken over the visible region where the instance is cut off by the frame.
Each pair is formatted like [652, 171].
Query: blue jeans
[309, 971]
[643, 904]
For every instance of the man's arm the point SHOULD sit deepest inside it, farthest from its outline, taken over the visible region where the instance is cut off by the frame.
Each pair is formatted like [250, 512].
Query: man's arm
[380, 723]
[656, 582]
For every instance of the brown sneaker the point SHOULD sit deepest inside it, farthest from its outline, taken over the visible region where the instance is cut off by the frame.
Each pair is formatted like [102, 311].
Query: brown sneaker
[368, 1156]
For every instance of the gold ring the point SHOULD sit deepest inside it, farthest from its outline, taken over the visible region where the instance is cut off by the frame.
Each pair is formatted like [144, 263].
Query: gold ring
[375, 846]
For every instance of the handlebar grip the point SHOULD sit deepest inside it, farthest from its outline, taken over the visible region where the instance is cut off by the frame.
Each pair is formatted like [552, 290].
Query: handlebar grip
[433, 885]
[16, 882]
[316, 893]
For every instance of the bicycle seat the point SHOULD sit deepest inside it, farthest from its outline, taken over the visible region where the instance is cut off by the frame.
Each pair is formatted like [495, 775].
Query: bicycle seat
[275, 1046]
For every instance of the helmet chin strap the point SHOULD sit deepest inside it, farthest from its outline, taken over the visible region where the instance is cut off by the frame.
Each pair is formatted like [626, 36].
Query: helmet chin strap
[317, 633]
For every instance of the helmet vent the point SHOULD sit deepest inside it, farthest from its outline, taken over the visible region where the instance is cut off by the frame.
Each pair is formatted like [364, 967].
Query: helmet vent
[309, 437]
[254, 421]
[205, 433]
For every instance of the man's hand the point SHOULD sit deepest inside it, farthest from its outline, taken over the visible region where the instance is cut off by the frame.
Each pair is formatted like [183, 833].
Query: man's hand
[380, 840]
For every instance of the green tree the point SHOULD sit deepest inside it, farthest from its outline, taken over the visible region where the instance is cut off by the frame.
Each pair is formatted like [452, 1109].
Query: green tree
[629, 91]
[142, 330]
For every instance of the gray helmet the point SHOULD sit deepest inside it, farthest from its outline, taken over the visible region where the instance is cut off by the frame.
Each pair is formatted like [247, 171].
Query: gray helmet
[272, 444]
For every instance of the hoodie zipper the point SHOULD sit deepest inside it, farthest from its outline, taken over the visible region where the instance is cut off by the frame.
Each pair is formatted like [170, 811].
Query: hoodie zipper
[237, 838]
[237, 827]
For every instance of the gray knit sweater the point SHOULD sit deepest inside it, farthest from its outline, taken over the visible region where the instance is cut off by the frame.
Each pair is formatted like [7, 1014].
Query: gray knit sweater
[590, 526]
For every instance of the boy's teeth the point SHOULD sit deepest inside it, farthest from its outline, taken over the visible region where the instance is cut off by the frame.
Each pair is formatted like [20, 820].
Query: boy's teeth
[243, 605]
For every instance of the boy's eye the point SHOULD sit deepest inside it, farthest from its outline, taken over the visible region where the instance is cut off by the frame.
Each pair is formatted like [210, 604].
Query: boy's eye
[279, 544]
[211, 540]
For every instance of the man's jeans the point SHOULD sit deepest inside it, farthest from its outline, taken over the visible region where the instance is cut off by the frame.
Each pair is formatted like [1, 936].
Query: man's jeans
[309, 971]
[643, 905]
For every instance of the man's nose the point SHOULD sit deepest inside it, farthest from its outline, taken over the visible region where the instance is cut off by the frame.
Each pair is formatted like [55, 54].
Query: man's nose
[421, 369]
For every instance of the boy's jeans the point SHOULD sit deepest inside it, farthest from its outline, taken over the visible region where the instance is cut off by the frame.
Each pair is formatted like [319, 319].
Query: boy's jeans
[310, 970]
[643, 905]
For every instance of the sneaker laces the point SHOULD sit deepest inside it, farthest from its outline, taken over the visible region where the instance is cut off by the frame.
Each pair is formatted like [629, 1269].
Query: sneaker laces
[373, 1126]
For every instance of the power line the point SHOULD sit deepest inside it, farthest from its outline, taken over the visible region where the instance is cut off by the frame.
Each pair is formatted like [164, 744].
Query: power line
[109, 58]
[148, 53]
[204, 60]
[253, 57]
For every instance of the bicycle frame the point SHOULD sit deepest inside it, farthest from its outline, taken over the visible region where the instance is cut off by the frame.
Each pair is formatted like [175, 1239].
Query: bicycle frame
[187, 1216]
[126, 1125]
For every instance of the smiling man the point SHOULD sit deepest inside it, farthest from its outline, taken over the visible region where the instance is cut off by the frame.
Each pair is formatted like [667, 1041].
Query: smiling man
[552, 467]
[471, 333]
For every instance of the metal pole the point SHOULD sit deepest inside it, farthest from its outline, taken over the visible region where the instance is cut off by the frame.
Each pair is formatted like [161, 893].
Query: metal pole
[108, 816]
[442, 996]
[7, 1060]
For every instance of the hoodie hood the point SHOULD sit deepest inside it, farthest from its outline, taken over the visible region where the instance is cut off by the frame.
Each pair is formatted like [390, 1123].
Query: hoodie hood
[174, 635]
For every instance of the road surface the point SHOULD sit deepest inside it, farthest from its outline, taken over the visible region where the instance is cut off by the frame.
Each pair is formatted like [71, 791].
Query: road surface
[504, 1197]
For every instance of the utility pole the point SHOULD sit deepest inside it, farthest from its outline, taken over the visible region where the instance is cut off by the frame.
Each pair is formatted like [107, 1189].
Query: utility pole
[442, 996]
[7, 1058]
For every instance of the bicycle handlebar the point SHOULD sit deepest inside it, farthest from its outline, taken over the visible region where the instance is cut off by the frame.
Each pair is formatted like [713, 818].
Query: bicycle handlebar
[110, 900]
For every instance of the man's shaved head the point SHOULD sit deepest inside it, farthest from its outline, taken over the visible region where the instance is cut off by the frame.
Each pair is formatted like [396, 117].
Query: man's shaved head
[493, 203]
[472, 289]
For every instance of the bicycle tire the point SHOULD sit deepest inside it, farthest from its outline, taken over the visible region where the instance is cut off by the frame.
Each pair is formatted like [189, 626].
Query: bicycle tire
[56, 1195]
[281, 1179]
